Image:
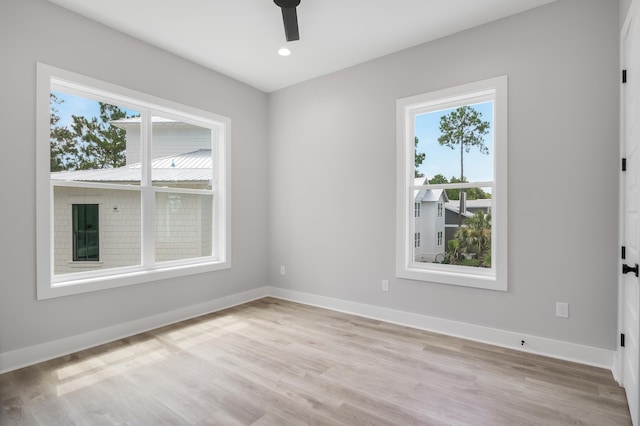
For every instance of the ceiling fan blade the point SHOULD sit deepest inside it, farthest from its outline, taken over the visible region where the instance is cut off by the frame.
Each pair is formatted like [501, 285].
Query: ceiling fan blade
[290, 19]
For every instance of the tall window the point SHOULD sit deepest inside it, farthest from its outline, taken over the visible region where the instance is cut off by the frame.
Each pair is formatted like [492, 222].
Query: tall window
[416, 209]
[86, 235]
[131, 188]
[460, 134]
[416, 240]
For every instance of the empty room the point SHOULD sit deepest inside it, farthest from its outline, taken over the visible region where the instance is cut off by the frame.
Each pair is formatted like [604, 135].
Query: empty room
[319, 212]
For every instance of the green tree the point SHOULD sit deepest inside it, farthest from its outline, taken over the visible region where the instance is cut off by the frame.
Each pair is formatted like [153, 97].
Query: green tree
[464, 127]
[87, 143]
[438, 179]
[451, 256]
[418, 158]
[63, 147]
[454, 194]
[472, 193]
[103, 144]
[475, 237]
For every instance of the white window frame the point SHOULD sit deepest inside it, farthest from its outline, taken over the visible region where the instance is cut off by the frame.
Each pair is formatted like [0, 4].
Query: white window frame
[50, 285]
[439, 239]
[494, 278]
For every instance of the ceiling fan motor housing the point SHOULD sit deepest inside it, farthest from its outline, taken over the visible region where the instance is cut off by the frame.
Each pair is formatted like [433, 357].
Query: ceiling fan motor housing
[287, 4]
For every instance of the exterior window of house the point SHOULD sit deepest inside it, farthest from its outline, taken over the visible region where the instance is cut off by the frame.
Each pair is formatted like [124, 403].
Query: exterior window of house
[457, 139]
[86, 236]
[416, 240]
[131, 188]
[416, 210]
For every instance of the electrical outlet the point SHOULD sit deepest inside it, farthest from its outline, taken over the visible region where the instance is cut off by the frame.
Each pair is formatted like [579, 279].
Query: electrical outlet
[385, 285]
[283, 271]
[562, 310]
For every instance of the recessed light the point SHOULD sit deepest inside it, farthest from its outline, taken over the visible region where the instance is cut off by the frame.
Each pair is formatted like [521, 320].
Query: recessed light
[284, 51]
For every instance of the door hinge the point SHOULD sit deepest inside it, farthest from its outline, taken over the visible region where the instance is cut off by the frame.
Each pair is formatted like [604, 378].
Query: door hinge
[624, 252]
[622, 340]
[624, 76]
[635, 269]
[624, 164]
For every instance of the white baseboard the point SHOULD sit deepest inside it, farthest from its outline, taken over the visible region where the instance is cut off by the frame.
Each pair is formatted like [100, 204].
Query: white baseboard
[588, 355]
[582, 354]
[19, 358]
[616, 369]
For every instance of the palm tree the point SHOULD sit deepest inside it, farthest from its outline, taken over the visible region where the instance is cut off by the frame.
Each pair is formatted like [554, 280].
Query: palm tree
[451, 255]
[475, 236]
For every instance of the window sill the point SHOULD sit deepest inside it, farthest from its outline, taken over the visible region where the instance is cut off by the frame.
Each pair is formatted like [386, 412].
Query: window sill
[87, 264]
[483, 281]
[121, 277]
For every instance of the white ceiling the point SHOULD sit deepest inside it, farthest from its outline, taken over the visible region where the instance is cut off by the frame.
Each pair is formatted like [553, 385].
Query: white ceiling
[240, 38]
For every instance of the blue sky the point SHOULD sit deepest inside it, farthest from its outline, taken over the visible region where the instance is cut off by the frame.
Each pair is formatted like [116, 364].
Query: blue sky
[76, 105]
[446, 161]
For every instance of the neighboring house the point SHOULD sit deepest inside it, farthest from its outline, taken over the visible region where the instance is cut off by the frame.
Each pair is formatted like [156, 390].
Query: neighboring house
[97, 228]
[470, 207]
[436, 221]
[429, 228]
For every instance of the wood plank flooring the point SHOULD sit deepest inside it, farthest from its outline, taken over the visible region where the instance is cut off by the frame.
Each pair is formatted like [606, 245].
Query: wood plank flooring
[273, 362]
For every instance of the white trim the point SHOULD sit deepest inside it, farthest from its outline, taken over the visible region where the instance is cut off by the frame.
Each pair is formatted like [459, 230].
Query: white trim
[496, 277]
[30, 355]
[618, 368]
[573, 352]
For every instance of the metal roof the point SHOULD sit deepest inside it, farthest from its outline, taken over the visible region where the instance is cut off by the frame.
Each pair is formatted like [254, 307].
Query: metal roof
[188, 167]
[154, 119]
[431, 195]
[134, 122]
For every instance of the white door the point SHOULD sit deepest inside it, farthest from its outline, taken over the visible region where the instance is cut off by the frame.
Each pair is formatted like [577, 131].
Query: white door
[630, 288]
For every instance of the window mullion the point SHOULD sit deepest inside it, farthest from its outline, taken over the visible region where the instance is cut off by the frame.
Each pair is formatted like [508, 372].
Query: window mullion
[147, 193]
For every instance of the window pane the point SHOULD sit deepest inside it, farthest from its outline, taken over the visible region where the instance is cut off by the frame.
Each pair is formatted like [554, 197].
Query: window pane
[183, 226]
[455, 145]
[95, 222]
[86, 233]
[93, 141]
[452, 237]
[181, 154]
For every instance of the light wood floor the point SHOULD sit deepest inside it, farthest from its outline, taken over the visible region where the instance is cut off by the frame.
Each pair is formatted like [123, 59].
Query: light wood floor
[272, 362]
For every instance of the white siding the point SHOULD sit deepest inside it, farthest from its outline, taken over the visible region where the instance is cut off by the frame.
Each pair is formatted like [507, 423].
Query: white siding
[168, 139]
[183, 227]
[119, 224]
[428, 225]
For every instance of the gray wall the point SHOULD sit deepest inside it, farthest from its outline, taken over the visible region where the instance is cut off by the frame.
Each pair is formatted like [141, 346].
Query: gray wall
[327, 190]
[35, 30]
[624, 8]
[332, 172]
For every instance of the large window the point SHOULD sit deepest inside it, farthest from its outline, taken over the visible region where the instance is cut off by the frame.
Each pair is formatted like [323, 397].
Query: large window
[452, 157]
[131, 188]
